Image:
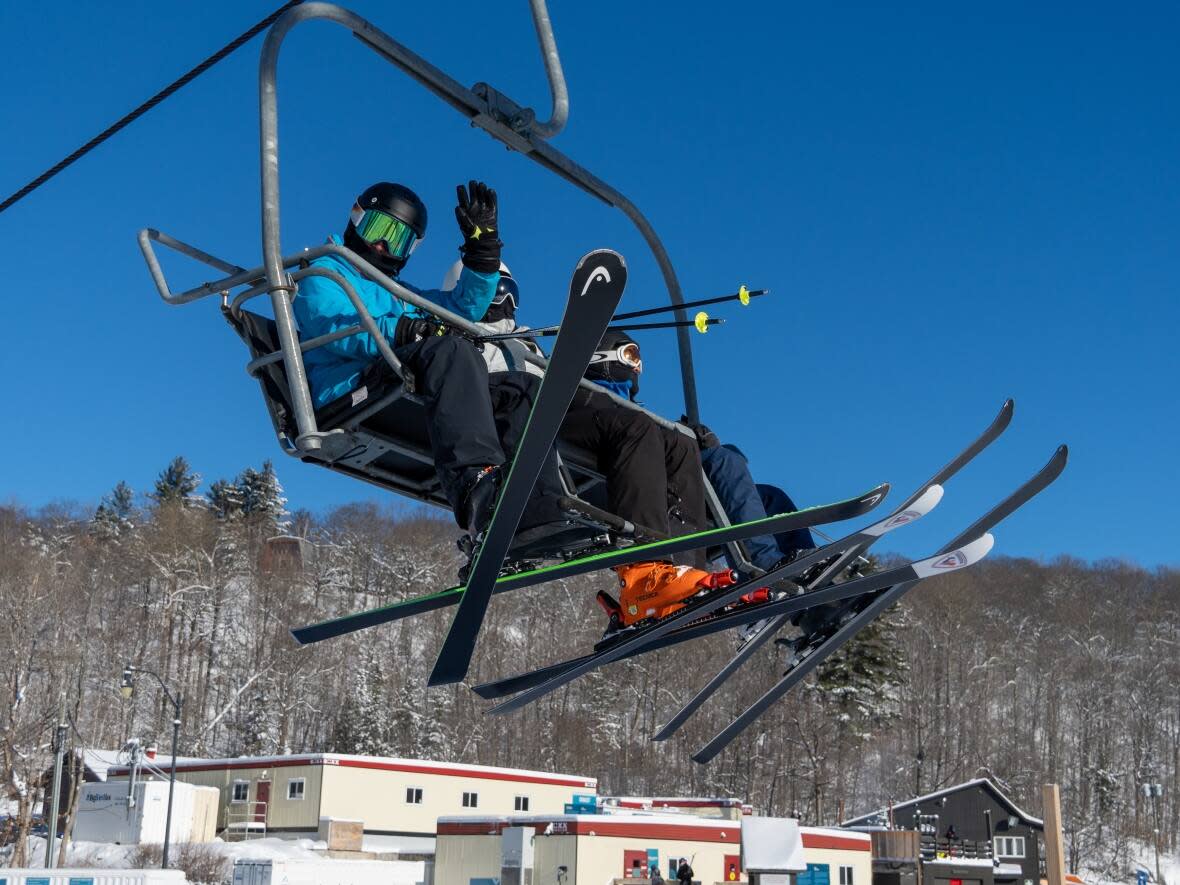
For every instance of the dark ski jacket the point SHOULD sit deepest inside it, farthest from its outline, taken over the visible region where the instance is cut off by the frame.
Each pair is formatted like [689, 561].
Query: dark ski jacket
[321, 307]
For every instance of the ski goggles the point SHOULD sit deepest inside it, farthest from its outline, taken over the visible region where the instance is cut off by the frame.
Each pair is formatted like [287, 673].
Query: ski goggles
[627, 354]
[505, 290]
[374, 226]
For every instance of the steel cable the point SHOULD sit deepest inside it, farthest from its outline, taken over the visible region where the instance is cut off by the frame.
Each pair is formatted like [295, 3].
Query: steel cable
[164, 93]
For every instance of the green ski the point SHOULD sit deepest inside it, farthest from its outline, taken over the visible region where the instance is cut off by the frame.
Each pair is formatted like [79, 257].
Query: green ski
[395, 611]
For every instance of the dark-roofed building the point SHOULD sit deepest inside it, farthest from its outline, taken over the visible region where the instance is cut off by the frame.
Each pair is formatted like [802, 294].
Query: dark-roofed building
[973, 819]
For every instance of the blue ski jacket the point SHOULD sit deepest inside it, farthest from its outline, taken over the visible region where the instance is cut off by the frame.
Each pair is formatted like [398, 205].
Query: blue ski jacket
[321, 307]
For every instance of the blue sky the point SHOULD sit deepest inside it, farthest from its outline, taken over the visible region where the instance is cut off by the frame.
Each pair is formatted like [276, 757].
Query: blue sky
[951, 204]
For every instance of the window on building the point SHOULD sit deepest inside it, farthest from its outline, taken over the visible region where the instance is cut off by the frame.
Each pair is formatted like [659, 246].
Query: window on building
[1009, 846]
[846, 876]
[521, 803]
[413, 795]
[815, 874]
[471, 800]
[241, 791]
[295, 788]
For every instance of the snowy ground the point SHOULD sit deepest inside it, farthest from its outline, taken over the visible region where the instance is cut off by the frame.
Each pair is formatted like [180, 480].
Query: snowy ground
[112, 856]
[1145, 859]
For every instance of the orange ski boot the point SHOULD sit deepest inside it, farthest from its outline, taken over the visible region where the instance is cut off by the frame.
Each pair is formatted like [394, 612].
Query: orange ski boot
[656, 589]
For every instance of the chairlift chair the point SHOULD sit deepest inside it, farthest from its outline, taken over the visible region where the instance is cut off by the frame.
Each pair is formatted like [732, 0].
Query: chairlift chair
[377, 432]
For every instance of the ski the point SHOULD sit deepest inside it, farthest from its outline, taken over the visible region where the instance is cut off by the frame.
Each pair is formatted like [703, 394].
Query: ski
[998, 425]
[965, 555]
[394, 611]
[595, 291]
[817, 653]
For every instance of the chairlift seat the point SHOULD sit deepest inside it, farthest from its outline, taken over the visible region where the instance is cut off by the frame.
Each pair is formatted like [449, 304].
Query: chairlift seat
[389, 448]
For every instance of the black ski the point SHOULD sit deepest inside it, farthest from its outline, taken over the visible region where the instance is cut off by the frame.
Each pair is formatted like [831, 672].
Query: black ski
[830, 573]
[815, 654]
[595, 290]
[641, 641]
[780, 522]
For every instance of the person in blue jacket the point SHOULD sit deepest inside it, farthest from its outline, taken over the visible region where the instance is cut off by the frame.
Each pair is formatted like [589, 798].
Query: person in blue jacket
[474, 424]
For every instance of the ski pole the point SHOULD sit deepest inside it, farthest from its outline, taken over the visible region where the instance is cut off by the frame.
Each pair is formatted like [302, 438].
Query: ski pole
[700, 322]
[742, 294]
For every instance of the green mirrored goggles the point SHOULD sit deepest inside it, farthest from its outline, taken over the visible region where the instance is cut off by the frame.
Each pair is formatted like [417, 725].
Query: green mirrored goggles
[375, 226]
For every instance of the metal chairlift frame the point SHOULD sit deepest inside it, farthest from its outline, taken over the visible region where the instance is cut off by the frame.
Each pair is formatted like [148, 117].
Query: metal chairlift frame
[506, 121]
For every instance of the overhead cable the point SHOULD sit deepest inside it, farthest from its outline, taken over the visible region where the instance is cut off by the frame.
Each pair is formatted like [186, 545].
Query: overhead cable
[148, 105]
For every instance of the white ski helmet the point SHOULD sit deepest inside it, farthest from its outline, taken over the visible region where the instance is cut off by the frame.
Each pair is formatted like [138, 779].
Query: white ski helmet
[451, 280]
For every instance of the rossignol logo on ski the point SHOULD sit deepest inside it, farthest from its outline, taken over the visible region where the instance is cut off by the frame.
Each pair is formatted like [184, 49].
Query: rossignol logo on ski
[950, 561]
[902, 518]
[599, 275]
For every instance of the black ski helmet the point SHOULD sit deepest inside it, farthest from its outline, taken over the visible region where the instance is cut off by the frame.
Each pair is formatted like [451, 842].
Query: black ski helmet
[396, 200]
[606, 365]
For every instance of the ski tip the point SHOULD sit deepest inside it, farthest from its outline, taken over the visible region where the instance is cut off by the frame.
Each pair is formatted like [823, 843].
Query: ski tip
[969, 554]
[929, 499]
[874, 497]
[596, 255]
[602, 272]
[922, 505]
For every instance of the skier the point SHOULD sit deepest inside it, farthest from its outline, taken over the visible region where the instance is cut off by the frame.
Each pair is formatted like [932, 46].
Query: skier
[473, 423]
[684, 873]
[744, 500]
[724, 465]
[653, 474]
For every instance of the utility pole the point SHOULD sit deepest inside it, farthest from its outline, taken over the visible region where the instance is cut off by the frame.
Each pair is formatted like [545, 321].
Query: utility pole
[1054, 850]
[59, 746]
[127, 688]
[1154, 792]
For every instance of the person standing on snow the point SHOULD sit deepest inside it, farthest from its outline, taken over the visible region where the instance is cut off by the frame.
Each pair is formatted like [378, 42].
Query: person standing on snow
[653, 475]
[472, 428]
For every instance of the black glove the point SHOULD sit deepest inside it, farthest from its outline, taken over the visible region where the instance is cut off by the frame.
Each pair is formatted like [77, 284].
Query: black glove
[411, 328]
[476, 214]
[706, 438]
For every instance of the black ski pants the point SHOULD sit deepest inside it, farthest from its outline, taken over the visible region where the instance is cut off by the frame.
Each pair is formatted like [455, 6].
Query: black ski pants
[475, 419]
[649, 469]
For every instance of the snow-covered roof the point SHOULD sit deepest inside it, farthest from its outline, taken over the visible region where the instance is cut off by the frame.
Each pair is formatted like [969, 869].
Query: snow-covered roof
[965, 861]
[977, 782]
[99, 761]
[641, 818]
[422, 766]
[670, 802]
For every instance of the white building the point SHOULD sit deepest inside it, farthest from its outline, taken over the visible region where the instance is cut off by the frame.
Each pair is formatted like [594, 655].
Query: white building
[397, 800]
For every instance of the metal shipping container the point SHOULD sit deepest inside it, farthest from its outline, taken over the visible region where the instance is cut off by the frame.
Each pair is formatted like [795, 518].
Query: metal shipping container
[78, 876]
[326, 872]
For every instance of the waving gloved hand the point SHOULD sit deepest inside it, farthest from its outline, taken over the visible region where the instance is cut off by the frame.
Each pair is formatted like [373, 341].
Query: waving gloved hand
[476, 214]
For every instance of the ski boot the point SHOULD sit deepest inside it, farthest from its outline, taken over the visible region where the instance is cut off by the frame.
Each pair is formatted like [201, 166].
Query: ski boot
[481, 486]
[653, 590]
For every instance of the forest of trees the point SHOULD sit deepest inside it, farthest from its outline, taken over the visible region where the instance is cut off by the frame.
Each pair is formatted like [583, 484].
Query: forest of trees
[1027, 672]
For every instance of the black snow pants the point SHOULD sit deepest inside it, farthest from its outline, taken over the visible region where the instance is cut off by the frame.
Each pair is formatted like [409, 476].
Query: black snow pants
[649, 469]
[475, 419]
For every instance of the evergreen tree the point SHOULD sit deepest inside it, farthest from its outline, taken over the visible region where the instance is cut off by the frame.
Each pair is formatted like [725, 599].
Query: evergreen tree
[176, 482]
[226, 499]
[114, 514]
[262, 494]
[363, 726]
[862, 679]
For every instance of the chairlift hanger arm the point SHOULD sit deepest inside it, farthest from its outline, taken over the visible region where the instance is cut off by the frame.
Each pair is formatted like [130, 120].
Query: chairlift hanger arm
[490, 110]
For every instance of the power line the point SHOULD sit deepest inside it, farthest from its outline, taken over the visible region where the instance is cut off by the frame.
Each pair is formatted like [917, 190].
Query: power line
[148, 105]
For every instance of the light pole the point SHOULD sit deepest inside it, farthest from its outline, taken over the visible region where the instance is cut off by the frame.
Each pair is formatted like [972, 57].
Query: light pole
[1153, 792]
[127, 688]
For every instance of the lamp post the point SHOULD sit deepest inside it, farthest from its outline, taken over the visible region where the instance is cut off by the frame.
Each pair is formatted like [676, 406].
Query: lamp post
[127, 688]
[1153, 792]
